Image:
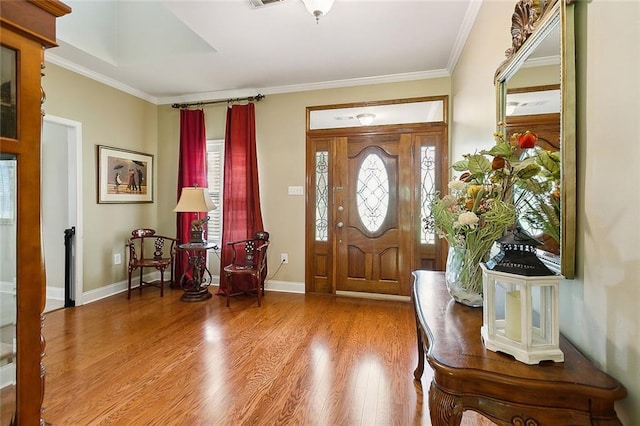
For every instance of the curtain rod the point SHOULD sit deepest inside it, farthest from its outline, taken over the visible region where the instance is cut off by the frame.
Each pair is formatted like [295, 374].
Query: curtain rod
[256, 98]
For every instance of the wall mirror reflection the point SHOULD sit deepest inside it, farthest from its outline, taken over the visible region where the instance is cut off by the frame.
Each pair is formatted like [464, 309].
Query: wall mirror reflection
[535, 90]
[537, 109]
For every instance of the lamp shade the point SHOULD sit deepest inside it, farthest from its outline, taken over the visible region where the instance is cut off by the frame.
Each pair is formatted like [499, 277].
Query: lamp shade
[194, 199]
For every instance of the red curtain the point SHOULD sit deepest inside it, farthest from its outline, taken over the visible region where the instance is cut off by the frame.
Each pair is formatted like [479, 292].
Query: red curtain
[241, 197]
[192, 170]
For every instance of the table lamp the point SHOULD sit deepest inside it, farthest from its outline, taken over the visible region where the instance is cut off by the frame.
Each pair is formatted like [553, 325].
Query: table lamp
[195, 200]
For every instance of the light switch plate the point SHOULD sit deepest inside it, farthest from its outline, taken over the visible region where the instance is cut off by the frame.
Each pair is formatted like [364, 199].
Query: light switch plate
[295, 190]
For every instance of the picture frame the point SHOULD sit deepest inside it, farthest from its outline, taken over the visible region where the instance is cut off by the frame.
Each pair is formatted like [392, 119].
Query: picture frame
[124, 176]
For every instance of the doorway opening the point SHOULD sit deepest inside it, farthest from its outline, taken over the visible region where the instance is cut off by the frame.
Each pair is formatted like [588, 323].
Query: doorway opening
[62, 210]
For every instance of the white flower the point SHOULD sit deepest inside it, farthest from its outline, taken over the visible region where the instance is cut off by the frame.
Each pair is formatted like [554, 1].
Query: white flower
[449, 200]
[457, 185]
[467, 218]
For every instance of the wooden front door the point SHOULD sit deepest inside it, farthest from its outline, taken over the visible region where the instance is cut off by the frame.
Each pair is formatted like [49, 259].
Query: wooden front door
[365, 199]
[373, 216]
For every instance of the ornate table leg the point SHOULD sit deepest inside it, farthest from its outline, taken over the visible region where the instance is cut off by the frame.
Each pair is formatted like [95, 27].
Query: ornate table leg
[444, 408]
[197, 288]
[417, 374]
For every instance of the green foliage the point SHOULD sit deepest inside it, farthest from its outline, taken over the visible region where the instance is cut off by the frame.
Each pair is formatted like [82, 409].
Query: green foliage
[481, 205]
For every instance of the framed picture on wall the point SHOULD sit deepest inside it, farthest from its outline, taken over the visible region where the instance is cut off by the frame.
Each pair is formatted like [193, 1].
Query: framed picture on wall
[124, 176]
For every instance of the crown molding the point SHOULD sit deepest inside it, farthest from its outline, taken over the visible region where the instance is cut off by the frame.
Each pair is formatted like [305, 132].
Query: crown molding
[465, 29]
[71, 66]
[335, 84]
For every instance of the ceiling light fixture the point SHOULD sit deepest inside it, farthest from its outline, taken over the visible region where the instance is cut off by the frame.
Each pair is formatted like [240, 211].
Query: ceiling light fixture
[511, 107]
[318, 8]
[365, 119]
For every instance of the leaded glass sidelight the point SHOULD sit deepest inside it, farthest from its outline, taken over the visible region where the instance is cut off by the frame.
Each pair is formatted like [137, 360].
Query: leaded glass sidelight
[427, 193]
[372, 194]
[322, 195]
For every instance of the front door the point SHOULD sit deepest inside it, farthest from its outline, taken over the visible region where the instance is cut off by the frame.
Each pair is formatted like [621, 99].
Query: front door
[367, 192]
[373, 213]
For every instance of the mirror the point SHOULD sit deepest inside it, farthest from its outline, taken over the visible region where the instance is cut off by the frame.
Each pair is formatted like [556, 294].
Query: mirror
[542, 57]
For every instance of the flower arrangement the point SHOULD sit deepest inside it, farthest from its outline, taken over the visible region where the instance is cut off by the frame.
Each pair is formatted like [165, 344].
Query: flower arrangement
[481, 204]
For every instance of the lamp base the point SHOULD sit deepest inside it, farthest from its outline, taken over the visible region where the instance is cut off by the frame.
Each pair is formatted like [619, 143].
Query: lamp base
[196, 295]
[197, 236]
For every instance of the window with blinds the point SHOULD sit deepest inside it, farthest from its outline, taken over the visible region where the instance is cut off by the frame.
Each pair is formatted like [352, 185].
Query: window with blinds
[215, 174]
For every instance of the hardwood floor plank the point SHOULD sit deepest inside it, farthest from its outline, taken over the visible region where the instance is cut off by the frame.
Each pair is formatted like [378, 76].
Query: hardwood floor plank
[298, 360]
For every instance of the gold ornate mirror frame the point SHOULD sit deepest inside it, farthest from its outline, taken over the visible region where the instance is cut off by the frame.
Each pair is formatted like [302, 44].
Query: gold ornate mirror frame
[532, 21]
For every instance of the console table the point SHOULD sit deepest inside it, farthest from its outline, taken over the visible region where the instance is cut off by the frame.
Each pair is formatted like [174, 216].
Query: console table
[466, 376]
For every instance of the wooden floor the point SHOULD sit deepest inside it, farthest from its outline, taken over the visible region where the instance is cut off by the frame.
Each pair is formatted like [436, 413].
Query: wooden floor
[298, 360]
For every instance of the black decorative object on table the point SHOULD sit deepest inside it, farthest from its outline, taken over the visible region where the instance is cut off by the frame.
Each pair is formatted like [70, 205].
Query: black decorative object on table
[518, 255]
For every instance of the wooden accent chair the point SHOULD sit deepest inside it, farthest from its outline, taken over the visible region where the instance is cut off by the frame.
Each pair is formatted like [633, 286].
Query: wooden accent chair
[249, 260]
[164, 253]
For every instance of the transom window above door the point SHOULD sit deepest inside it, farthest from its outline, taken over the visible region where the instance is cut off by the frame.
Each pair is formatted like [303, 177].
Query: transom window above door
[377, 114]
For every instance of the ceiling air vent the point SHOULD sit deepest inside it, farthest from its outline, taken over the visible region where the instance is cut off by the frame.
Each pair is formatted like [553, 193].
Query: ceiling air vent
[261, 3]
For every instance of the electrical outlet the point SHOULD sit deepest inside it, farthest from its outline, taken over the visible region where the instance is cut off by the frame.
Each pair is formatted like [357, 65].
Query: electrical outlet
[284, 258]
[117, 258]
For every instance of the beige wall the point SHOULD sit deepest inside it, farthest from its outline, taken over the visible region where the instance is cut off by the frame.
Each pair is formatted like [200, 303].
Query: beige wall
[473, 93]
[280, 139]
[599, 309]
[113, 118]
[123, 121]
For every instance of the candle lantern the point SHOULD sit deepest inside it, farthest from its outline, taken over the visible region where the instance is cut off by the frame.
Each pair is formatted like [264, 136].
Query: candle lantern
[520, 313]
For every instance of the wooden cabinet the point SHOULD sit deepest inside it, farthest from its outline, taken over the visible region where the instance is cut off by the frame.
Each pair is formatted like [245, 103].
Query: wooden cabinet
[26, 29]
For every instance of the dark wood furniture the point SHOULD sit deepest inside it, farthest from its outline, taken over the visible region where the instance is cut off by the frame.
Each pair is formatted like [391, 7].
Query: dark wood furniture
[26, 29]
[249, 260]
[466, 376]
[195, 281]
[164, 253]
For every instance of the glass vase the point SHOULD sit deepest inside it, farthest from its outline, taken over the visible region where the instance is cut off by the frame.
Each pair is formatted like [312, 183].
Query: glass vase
[463, 276]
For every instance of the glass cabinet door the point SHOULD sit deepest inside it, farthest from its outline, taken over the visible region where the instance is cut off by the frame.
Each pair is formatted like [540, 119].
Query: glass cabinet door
[8, 288]
[8, 98]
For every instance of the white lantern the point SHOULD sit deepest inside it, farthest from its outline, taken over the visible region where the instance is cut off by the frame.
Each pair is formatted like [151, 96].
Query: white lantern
[520, 315]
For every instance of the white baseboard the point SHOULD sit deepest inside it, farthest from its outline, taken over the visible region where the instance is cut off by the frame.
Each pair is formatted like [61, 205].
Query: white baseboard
[55, 292]
[120, 287]
[115, 288]
[285, 286]
[271, 285]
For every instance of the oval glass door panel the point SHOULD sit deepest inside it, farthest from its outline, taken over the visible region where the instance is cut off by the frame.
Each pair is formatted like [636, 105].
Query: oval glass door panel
[372, 192]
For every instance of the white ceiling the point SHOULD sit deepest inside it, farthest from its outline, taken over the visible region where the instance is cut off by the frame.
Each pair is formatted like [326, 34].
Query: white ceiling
[186, 51]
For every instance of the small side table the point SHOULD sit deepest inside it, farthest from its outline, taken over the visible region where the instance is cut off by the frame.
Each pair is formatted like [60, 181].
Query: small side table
[196, 287]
